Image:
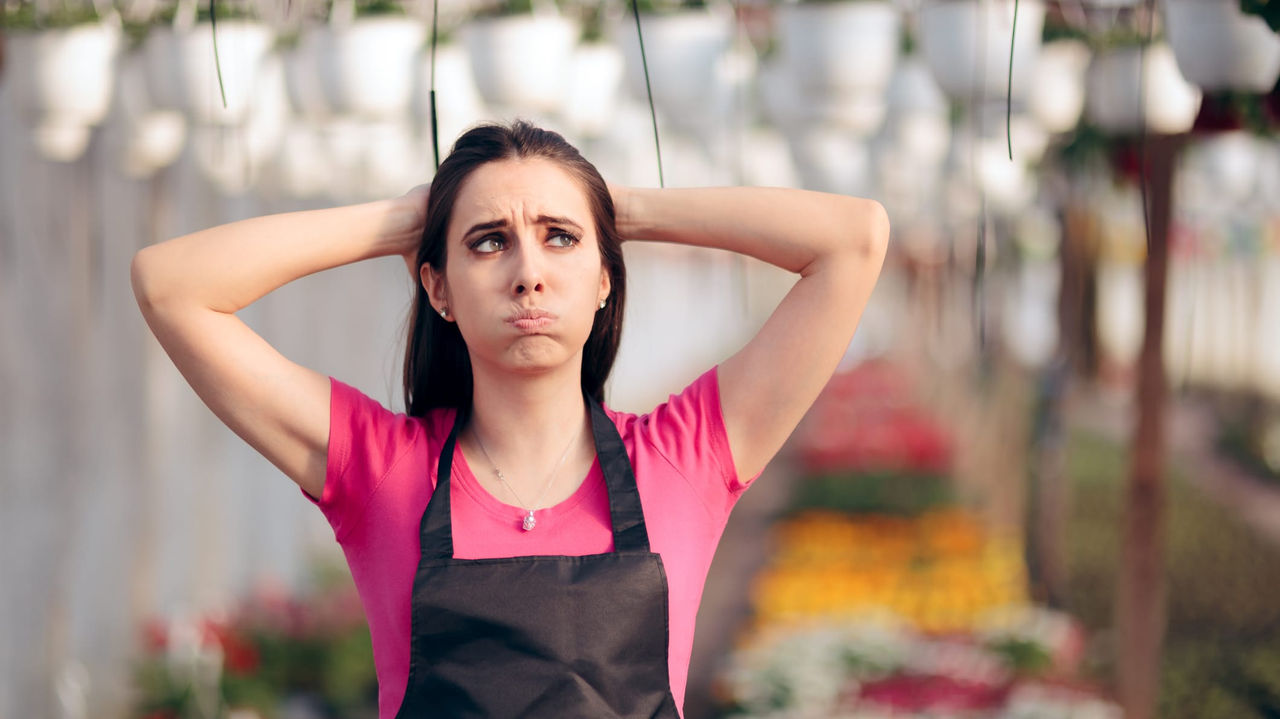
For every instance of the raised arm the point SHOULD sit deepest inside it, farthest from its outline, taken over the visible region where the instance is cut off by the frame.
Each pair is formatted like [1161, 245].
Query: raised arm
[190, 288]
[837, 246]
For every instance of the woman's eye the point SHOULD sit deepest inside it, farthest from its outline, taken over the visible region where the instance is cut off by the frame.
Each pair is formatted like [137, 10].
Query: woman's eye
[488, 244]
[560, 238]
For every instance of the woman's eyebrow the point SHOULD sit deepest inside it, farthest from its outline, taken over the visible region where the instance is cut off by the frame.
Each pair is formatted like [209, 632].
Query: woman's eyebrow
[541, 220]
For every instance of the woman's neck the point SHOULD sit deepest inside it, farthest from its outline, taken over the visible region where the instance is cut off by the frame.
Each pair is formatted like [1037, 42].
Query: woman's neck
[525, 423]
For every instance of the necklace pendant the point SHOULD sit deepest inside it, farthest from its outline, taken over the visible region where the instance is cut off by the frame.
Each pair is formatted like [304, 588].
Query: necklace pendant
[529, 522]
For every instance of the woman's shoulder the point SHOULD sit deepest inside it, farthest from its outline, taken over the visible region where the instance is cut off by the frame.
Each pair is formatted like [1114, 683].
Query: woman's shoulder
[355, 413]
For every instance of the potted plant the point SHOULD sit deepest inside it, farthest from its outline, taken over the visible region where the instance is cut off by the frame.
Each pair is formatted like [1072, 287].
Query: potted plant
[1220, 47]
[520, 52]
[60, 71]
[595, 76]
[1056, 95]
[967, 45]
[367, 55]
[210, 77]
[839, 46]
[1132, 83]
[684, 41]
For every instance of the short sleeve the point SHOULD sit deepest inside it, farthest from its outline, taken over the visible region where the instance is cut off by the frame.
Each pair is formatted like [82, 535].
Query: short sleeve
[689, 431]
[366, 440]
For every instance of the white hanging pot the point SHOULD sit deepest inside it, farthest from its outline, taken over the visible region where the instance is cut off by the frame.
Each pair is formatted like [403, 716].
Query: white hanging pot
[1218, 47]
[1118, 103]
[1056, 95]
[595, 83]
[182, 70]
[60, 82]
[839, 46]
[521, 61]
[68, 72]
[966, 43]
[1120, 311]
[367, 70]
[683, 50]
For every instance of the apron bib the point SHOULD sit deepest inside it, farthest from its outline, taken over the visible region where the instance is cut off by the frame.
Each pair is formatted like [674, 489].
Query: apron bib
[544, 636]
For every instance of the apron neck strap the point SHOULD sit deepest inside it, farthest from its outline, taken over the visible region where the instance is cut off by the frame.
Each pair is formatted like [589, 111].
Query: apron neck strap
[625, 511]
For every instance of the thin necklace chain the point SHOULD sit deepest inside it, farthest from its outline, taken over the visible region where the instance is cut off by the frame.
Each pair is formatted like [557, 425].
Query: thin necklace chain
[505, 483]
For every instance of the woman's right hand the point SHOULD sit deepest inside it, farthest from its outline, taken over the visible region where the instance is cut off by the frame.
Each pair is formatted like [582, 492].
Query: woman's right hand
[416, 199]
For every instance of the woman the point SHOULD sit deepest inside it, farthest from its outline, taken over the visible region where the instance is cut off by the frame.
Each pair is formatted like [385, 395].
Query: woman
[520, 549]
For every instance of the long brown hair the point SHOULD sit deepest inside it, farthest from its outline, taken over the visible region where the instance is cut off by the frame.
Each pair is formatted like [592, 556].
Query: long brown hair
[437, 367]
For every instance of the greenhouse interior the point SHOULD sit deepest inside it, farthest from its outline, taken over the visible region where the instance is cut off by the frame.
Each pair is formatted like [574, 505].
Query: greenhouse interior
[1043, 482]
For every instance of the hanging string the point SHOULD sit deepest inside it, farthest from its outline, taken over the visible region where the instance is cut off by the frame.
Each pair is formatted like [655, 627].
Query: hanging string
[653, 114]
[217, 64]
[435, 129]
[1008, 100]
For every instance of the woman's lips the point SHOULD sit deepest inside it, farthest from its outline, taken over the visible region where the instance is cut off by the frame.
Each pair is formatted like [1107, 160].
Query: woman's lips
[531, 320]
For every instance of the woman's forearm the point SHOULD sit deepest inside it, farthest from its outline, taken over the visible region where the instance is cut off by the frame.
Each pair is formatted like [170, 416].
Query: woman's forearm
[792, 229]
[227, 268]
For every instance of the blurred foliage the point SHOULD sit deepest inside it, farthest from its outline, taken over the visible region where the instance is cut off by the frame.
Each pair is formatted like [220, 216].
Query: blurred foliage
[666, 6]
[273, 651]
[27, 15]
[1268, 10]
[370, 8]
[874, 493]
[1249, 433]
[1222, 643]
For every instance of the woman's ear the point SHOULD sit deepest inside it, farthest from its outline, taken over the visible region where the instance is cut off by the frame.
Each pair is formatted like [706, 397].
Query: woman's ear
[437, 288]
[605, 285]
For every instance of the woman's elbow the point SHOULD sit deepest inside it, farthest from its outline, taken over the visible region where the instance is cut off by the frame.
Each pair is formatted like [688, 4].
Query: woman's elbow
[144, 277]
[866, 231]
[873, 238]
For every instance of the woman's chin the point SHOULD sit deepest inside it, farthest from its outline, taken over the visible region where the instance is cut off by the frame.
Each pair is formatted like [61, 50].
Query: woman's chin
[536, 354]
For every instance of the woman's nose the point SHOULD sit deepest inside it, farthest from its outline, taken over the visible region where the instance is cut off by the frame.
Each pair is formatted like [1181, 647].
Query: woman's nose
[529, 273]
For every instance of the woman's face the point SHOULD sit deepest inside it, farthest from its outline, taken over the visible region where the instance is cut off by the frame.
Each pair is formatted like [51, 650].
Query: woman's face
[523, 275]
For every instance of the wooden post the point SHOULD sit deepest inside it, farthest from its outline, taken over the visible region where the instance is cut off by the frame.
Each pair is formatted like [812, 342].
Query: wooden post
[1140, 608]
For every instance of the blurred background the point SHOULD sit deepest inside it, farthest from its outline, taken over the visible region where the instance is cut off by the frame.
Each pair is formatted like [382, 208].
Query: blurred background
[1045, 482]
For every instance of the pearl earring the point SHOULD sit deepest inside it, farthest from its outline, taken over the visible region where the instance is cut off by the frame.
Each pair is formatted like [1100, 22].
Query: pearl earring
[444, 312]
[602, 302]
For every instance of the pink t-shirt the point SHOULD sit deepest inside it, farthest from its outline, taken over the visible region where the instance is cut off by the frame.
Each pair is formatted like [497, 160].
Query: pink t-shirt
[382, 469]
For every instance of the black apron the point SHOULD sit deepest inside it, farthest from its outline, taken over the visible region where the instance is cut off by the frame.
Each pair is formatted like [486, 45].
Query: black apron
[546, 636]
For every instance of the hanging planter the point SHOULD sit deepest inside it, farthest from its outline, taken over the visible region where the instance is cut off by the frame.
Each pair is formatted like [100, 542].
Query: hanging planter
[185, 72]
[521, 60]
[1119, 102]
[366, 66]
[966, 43]
[683, 47]
[1219, 47]
[839, 47]
[1056, 95]
[60, 82]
